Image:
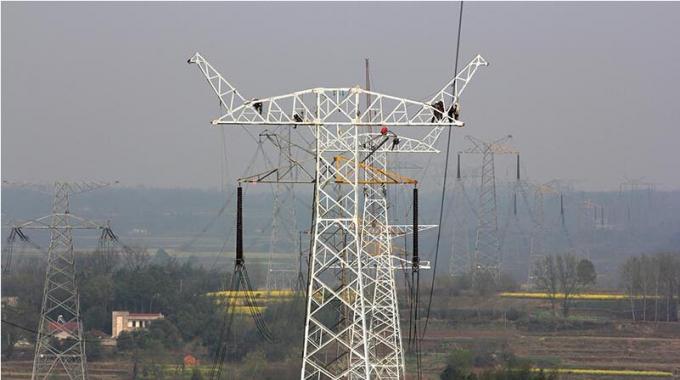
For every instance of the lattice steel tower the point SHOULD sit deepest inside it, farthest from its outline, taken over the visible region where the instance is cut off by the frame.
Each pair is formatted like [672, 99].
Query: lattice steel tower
[340, 303]
[60, 310]
[486, 259]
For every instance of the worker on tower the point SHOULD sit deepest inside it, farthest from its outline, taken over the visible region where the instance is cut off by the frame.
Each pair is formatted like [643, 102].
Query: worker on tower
[438, 111]
[454, 112]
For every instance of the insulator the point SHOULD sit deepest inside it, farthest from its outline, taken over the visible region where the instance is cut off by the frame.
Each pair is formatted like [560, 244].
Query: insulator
[239, 225]
[416, 257]
[562, 209]
[458, 168]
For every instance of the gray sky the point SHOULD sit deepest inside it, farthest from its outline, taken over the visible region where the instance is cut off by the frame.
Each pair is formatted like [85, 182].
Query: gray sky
[103, 91]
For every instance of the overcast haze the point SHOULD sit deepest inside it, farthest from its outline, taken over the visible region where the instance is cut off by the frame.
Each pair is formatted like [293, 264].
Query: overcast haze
[103, 91]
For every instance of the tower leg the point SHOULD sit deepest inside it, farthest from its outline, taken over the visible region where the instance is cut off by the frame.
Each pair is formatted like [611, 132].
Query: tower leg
[336, 344]
[385, 345]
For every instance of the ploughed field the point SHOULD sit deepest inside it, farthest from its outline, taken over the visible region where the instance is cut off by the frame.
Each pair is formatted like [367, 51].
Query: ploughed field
[623, 346]
[105, 370]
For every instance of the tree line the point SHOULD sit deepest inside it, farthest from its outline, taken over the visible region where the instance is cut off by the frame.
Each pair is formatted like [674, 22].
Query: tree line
[150, 284]
[652, 283]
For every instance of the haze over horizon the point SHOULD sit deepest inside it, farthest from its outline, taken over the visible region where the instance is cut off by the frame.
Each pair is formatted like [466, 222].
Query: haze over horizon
[103, 91]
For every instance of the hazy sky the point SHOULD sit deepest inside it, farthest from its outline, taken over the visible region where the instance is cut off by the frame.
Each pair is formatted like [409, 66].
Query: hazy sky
[103, 91]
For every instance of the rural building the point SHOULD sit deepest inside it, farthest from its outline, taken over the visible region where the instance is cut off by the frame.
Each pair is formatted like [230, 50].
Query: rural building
[126, 321]
[62, 330]
[10, 301]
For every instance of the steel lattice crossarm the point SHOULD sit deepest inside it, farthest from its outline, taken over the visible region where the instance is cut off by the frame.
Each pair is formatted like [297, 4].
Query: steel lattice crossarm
[496, 147]
[334, 105]
[73, 187]
[399, 230]
[67, 220]
[372, 175]
[341, 106]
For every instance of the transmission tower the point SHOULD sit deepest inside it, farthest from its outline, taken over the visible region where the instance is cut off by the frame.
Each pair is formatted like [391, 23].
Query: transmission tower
[337, 339]
[486, 259]
[60, 310]
[636, 198]
[556, 230]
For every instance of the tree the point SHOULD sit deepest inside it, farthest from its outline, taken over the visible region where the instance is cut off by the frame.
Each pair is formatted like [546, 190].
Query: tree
[631, 279]
[563, 275]
[656, 277]
[545, 276]
[93, 346]
[586, 272]
[458, 366]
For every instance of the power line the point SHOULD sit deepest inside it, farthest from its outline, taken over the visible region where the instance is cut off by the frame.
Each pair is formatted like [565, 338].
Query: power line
[446, 172]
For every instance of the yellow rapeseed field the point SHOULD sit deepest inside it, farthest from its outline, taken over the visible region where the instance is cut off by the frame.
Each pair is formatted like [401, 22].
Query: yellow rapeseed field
[576, 296]
[606, 372]
[287, 293]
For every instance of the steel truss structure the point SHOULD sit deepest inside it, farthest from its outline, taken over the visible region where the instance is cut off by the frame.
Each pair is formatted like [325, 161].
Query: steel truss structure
[635, 196]
[486, 260]
[352, 324]
[60, 310]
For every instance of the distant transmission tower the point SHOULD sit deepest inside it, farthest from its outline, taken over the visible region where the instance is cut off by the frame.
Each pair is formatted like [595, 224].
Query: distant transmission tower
[339, 340]
[636, 196]
[486, 260]
[60, 310]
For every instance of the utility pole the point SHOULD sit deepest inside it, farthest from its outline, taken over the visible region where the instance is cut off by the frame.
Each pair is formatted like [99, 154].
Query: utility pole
[337, 335]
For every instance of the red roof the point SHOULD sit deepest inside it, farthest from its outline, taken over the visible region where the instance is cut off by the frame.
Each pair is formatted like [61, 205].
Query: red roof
[68, 326]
